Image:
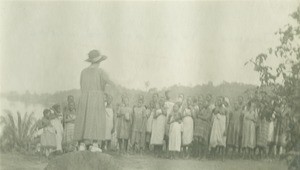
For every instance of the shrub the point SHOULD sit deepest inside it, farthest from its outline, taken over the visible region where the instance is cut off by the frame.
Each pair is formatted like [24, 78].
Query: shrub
[16, 134]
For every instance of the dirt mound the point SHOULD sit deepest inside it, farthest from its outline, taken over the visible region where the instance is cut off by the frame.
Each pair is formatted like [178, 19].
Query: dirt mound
[83, 160]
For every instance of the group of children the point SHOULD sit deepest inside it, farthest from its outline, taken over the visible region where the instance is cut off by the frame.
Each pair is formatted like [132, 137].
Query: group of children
[200, 127]
[56, 128]
[204, 127]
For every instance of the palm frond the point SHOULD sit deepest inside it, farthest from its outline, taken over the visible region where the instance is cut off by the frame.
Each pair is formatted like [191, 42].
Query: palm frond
[3, 120]
[19, 125]
[10, 118]
[25, 119]
[11, 123]
[28, 126]
[17, 134]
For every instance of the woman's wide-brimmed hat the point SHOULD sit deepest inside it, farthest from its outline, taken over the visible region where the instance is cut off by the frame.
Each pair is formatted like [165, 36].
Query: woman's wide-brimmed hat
[95, 56]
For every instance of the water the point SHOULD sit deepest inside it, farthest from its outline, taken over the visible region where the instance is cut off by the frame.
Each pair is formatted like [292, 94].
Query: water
[21, 107]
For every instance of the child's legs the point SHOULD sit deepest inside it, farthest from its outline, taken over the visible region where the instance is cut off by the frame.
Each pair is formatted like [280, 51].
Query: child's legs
[167, 142]
[126, 144]
[103, 144]
[120, 141]
[108, 144]
[160, 149]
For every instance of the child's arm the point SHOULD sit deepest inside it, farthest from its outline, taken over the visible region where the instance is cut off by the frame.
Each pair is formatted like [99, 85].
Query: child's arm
[227, 121]
[169, 118]
[114, 121]
[164, 111]
[128, 115]
[156, 114]
[118, 111]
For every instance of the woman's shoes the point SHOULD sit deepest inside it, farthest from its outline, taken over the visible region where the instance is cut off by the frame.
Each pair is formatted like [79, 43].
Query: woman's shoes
[95, 148]
[82, 147]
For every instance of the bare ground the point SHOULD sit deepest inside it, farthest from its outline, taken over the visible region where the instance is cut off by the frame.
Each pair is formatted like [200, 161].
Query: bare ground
[131, 162]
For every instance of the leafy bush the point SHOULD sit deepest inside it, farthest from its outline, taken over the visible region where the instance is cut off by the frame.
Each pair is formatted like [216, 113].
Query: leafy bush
[16, 134]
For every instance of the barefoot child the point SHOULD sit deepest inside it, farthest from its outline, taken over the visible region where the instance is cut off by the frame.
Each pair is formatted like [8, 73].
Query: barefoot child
[234, 127]
[56, 121]
[174, 119]
[48, 138]
[158, 128]
[201, 130]
[69, 119]
[124, 123]
[188, 125]
[110, 122]
[249, 129]
[219, 127]
[138, 126]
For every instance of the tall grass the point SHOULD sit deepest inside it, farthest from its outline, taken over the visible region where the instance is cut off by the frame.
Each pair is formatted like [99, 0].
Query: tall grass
[17, 132]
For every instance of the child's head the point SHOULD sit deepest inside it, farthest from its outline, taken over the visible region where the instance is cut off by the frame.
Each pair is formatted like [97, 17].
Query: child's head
[240, 100]
[195, 100]
[168, 94]
[236, 105]
[46, 113]
[200, 98]
[226, 101]
[125, 100]
[189, 101]
[105, 97]
[161, 102]
[71, 106]
[70, 98]
[251, 105]
[219, 101]
[181, 97]
[155, 97]
[140, 102]
[109, 99]
[208, 98]
[176, 107]
[56, 108]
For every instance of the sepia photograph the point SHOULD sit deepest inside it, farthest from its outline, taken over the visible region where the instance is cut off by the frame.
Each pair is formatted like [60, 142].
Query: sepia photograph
[150, 85]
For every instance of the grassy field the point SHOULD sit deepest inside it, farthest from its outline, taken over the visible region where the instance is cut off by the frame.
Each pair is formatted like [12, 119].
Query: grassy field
[134, 162]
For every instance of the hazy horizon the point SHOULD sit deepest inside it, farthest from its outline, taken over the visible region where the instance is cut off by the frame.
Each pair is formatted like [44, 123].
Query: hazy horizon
[44, 44]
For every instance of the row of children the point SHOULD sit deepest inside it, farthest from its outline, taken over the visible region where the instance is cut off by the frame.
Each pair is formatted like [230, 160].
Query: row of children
[202, 127]
[194, 126]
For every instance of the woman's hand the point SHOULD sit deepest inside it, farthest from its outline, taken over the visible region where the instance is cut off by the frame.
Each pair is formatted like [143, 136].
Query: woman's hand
[225, 133]
[113, 130]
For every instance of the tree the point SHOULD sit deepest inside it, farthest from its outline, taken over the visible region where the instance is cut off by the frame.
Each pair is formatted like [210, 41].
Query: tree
[284, 79]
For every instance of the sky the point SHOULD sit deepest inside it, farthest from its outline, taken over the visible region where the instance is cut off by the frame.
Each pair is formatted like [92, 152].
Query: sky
[43, 45]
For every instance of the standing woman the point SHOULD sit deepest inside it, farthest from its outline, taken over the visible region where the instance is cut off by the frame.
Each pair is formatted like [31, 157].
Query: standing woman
[158, 127]
[90, 120]
[249, 134]
[187, 125]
